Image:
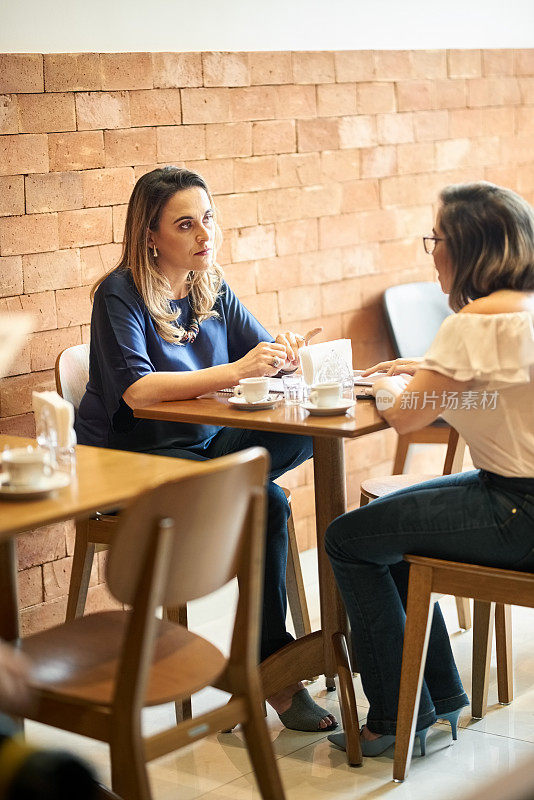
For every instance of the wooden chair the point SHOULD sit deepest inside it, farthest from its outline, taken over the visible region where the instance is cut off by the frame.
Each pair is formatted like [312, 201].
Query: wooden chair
[492, 589]
[95, 534]
[414, 313]
[373, 488]
[93, 675]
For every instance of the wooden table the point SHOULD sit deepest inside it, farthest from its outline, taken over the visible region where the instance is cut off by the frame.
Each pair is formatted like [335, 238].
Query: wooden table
[313, 654]
[106, 479]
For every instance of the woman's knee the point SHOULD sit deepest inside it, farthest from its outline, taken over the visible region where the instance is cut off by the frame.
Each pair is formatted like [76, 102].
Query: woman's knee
[287, 451]
[278, 510]
[334, 536]
[347, 536]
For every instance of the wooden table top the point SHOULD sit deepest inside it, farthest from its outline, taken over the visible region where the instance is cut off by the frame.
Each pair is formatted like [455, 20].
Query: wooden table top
[106, 479]
[363, 418]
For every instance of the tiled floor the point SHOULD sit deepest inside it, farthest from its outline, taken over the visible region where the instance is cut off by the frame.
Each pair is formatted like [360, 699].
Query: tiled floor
[218, 768]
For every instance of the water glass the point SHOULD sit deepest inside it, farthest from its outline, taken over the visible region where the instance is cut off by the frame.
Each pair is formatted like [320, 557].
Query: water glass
[66, 457]
[293, 389]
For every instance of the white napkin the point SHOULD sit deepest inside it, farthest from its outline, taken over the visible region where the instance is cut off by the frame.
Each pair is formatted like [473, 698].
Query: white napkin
[60, 415]
[327, 361]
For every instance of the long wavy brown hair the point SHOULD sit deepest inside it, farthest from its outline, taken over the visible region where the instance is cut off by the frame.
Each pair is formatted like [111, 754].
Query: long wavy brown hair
[149, 196]
[490, 237]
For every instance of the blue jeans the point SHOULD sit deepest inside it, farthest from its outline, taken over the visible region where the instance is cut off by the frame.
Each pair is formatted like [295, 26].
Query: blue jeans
[468, 517]
[286, 451]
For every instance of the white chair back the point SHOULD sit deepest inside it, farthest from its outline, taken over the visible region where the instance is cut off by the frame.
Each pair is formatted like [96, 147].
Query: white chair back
[72, 373]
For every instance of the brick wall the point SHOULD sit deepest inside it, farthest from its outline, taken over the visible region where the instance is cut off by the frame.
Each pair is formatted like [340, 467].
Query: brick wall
[325, 167]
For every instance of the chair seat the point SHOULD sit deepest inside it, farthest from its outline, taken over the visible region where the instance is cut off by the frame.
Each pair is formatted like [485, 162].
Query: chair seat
[183, 662]
[379, 487]
[507, 586]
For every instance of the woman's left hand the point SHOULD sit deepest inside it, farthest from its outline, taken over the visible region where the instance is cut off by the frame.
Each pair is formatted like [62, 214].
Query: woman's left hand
[292, 342]
[396, 366]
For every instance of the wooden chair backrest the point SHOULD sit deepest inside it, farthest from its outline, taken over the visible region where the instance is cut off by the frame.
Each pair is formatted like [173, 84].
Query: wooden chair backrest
[182, 540]
[207, 514]
[72, 373]
[454, 457]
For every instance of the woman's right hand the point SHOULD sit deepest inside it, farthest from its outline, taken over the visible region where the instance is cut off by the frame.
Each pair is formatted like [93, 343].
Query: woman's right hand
[264, 359]
[397, 366]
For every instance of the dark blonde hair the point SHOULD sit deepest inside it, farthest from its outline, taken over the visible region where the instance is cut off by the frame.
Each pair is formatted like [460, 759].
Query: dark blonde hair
[489, 232]
[150, 194]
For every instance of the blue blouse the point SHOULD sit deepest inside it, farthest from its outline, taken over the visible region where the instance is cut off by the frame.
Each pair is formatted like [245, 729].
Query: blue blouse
[125, 345]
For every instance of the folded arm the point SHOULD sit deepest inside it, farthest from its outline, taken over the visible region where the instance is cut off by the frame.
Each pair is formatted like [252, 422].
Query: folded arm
[157, 387]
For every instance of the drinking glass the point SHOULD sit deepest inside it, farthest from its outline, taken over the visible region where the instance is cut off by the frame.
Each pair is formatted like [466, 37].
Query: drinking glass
[293, 389]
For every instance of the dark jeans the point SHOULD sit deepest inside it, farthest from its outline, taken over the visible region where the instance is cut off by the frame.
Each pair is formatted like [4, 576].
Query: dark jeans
[472, 517]
[286, 451]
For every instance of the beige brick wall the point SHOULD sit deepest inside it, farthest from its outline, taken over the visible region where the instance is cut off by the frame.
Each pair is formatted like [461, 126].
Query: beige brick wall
[325, 168]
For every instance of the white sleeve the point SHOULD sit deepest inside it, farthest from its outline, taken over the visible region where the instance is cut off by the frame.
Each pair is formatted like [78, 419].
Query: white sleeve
[492, 347]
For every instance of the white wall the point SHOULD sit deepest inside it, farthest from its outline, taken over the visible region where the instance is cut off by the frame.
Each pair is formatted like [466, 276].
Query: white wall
[176, 25]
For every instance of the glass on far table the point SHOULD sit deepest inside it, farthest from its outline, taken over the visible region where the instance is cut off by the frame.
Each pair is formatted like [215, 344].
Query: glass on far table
[348, 389]
[293, 389]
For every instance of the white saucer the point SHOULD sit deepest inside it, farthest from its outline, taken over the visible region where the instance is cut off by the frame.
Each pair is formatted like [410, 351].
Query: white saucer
[326, 411]
[239, 402]
[45, 486]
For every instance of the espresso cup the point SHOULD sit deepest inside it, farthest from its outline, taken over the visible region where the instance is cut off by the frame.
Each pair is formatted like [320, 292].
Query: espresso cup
[26, 466]
[324, 395]
[253, 390]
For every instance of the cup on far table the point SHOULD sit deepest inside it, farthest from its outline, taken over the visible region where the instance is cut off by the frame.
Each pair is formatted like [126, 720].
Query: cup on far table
[26, 466]
[324, 395]
[253, 390]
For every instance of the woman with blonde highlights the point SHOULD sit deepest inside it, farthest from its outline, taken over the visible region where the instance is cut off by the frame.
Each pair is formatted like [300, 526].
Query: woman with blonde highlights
[166, 326]
[478, 375]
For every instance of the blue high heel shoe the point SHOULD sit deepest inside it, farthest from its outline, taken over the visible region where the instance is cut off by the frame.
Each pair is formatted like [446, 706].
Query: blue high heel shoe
[452, 717]
[376, 747]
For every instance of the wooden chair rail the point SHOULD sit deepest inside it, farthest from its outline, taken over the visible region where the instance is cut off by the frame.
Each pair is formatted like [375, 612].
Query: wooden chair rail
[491, 584]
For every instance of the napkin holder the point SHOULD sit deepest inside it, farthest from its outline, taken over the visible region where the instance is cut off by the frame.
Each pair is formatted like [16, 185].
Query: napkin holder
[54, 421]
[328, 362]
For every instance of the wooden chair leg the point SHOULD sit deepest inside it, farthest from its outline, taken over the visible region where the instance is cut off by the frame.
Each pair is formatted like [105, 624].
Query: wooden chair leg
[260, 748]
[182, 708]
[463, 607]
[82, 562]
[503, 644]
[129, 778]
[419, 610]
[484, 613]
[296, 594]
[347, 701]
[401, 453]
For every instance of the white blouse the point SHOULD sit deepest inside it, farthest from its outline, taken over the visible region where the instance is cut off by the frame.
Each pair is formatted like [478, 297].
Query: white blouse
[495, 414]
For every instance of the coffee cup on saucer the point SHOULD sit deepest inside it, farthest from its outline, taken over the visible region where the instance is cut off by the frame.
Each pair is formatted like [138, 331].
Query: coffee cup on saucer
[26, 467]
[253, 390]
[326, 395]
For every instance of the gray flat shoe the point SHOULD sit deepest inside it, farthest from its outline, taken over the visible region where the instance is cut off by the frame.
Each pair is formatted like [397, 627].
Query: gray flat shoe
[305, 715]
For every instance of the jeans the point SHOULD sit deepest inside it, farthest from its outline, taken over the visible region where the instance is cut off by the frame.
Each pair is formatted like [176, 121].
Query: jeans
[473, 517]
[286, 451]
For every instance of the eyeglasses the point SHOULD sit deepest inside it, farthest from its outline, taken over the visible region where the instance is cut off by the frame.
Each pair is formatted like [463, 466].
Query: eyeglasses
[429, 243]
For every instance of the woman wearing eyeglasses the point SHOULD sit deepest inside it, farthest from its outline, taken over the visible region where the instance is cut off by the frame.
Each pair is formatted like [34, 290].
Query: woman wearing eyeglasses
[478, 374]
[166, 326]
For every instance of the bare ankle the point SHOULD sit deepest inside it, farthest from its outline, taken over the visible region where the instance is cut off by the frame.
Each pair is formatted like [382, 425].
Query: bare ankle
[281, 700]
